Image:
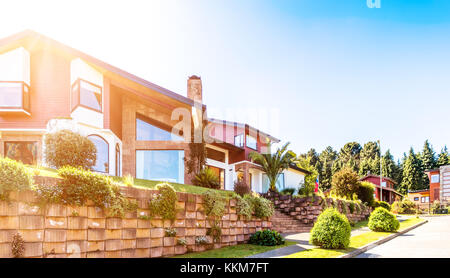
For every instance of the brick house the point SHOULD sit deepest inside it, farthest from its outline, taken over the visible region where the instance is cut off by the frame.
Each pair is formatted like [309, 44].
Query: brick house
[387, 188]
[46, 86]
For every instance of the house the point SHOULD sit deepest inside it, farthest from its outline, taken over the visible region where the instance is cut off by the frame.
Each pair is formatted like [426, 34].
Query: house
[420, 197]
[387, 190]
[439, 188]
[138, 128]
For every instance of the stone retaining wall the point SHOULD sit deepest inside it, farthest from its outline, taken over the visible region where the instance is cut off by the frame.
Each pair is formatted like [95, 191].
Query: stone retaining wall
[307, 209]
[85, 232]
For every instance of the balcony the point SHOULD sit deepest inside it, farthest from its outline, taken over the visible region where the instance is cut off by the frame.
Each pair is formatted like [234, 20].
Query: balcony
[14, 97]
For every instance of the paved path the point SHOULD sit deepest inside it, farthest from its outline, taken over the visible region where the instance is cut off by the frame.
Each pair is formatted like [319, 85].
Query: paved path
[431, 240]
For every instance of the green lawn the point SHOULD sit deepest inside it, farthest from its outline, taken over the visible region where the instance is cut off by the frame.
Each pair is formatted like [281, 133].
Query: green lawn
[236, 251]
[355, 242]
[139, 183]
[360, 224]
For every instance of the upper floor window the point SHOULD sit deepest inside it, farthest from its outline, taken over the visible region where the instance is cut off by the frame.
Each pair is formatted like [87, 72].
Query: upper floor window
[435, 178]
[102, 162]
[151, 130]
[251, 142]
[14, 96]
[239, 140]
[86, 94]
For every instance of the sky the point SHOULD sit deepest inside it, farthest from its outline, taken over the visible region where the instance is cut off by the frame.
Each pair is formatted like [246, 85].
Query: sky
[316, 73]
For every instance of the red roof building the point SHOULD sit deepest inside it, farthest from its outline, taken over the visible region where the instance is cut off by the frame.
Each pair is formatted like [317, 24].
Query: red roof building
[387, 188]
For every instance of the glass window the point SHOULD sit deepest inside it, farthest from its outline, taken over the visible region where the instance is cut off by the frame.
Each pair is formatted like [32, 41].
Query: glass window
[279, 184]
[118, 166]
[14, 95]
[251, 142]
[416, 199]
[239, 140]
[87, 95]
[26, 152]
[160, 165]
[434, 178]
[102, 162]
[220, 173]
[147, 130]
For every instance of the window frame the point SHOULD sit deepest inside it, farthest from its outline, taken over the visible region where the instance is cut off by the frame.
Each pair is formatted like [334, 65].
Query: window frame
[5, 154]
[118, 161]
[145, 150]
[434, 176]
[242, 141]
[78, 96]
[107, 159]
[246, 142]
[158, 125]
[25, 97]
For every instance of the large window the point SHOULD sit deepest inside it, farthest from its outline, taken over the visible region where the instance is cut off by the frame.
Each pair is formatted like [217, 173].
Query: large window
[150, 130]
[26, 152]
[220, 173]
[86, 94]
[14, 95]
[160, 165]
[239, 140]
[435, 178]
[118, 164]
[279, 184]
[102, 163]
[251, 142]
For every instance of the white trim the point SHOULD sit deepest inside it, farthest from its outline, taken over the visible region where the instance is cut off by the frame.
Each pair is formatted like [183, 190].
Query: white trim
[15, 111]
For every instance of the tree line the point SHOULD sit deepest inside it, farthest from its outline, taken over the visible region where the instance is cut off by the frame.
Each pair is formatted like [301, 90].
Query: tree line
[408, 173]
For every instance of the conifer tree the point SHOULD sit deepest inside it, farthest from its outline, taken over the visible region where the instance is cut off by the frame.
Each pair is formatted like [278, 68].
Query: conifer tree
[443, 158]
[412, 174]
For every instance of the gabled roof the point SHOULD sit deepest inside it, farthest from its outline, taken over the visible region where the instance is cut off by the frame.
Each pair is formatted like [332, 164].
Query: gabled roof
[295, 167]
[39, 37]
[241, 125]
[375, 176]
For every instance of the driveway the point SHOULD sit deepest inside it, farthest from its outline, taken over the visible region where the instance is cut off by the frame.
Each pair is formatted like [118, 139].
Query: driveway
[431, 240]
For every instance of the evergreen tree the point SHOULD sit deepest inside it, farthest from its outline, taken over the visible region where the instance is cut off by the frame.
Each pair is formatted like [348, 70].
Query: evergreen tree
[428, 159]
[389, 166]
[412, 174]
[349, 156]
[443, 158]
[371, 150]
[326, 159]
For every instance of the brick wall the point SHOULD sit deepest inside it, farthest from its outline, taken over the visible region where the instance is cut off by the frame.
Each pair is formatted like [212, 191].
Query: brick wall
[86, 232]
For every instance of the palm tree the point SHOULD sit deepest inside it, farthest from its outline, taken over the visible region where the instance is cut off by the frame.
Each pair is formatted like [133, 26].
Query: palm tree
[274, 164]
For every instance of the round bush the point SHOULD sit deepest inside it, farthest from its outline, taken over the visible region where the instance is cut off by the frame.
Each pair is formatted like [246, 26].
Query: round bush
[381, 220]
[13, 177]
[383, 204]
[266, 238]
[241, 188]
[67, 148]
[331, 230]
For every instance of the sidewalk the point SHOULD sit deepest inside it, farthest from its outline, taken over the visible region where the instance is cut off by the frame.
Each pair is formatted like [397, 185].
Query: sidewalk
[302, 242]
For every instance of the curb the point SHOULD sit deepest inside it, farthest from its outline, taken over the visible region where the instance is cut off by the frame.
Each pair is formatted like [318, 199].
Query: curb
[380, 241]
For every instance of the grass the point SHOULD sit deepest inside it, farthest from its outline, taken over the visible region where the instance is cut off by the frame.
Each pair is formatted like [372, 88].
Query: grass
[235, 251]
[139, 183]
[360, 224]
[355, 242]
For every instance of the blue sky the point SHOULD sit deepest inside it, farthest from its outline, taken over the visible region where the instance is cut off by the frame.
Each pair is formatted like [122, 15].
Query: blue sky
[327, 72]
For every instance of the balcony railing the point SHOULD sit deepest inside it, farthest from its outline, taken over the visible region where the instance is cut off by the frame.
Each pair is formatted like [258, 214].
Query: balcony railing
[14, 97]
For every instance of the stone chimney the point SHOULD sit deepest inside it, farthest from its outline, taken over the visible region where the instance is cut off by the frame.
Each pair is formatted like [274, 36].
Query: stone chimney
[194, 88]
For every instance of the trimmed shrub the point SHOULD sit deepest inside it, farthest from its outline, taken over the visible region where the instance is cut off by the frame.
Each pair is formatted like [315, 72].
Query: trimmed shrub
[381, 220]
[243, 208]
[165, 202]
[207, 178]
[13, 177]
[266, 238]
[261, 207]
[67, 148]
[241, 188]
[288, 191]
[331, 231]
[77, 186]
[405, 206]
[382, 204]
[365, 192]
[214, 203]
